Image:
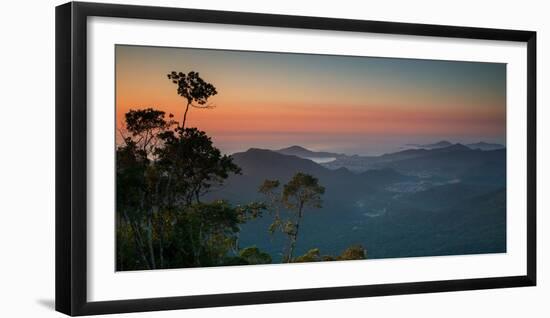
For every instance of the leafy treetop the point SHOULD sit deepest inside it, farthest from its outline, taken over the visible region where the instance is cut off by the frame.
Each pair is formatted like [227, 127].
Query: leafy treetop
[194, 89]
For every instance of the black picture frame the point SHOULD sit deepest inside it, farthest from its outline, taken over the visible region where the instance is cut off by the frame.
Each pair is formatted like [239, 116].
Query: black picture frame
[71, 157]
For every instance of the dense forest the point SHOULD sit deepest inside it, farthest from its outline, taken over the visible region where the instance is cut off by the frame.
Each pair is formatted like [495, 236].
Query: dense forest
[164, 173]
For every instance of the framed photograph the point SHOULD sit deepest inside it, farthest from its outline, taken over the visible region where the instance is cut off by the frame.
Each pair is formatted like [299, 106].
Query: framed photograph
[208, 158]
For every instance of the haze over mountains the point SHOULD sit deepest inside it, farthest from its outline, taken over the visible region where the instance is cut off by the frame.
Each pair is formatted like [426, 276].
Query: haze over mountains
[444, 144]
[421, 153]
[481, 145]
[443, 200]
[305, 153]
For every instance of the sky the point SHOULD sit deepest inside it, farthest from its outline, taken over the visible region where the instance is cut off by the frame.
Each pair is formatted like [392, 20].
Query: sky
[349, 104]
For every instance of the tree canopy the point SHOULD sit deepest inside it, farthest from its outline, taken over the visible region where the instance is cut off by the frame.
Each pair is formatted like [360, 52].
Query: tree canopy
[163, 172]
[194, 89]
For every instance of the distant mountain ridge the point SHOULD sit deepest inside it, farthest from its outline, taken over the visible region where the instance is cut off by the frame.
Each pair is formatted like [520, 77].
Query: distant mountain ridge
[415, 202]
[418, 150]
[272, 163]
[306, 153]
[481, 145]
[486, 146]
[260, 164]
[412, 153]
[455, 161]
[440, 144]
[444, 153]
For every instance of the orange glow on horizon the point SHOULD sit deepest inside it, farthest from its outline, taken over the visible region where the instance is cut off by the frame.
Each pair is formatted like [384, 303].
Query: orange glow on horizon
[264, 106]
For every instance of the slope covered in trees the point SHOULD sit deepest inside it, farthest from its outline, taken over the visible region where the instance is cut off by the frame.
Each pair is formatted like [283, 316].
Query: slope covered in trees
[164, 170]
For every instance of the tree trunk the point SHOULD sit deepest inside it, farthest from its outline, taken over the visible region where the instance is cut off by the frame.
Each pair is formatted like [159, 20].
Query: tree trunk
[150, 241]
[161, 233]
[185, 115]
[160, 220]
[137, 240]
[294, 237]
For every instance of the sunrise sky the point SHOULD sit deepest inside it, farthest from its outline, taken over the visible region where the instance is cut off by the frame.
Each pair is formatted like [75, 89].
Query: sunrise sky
[356, 105]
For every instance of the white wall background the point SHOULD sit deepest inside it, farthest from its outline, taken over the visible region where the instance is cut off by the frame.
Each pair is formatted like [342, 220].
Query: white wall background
[27, 158]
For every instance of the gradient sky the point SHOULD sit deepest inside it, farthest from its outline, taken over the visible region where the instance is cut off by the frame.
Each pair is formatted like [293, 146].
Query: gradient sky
[356, 105]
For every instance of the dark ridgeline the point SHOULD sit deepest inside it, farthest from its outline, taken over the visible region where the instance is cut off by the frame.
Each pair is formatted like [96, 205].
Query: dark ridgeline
[444, 143]
[305, 153]
[419, 202]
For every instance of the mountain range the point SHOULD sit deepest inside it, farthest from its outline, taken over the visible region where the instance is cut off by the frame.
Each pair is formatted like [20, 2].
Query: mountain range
[357, 163]
[306, 153]
[415, 202]
[444, 143]
[447, 160]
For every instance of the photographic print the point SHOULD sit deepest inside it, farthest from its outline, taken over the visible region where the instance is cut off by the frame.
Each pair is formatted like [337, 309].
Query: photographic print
[248, 158]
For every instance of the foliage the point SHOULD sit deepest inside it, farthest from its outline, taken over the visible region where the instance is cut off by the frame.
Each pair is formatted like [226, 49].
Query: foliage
[253, 255]
[191, 164]
[355, 252]
[301, 192]
[204, 233]
[194, 89]
[162, 175]
[147, 120]
[352, 253]
[313, 255]
[144, 127]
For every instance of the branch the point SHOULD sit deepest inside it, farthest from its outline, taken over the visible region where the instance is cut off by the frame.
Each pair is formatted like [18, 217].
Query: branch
[122, 134]
[209, 106]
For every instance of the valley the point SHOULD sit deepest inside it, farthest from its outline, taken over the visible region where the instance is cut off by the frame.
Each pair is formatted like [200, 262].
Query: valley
[417, 202]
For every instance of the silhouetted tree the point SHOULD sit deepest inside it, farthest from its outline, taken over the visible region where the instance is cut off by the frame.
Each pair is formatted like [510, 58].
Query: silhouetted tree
[301, 192]
[194, 89]
[270, 189]
[137, 180]
[191, 164]
[248, 212]
[131, 164]
[162, 173]
[143, 126]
